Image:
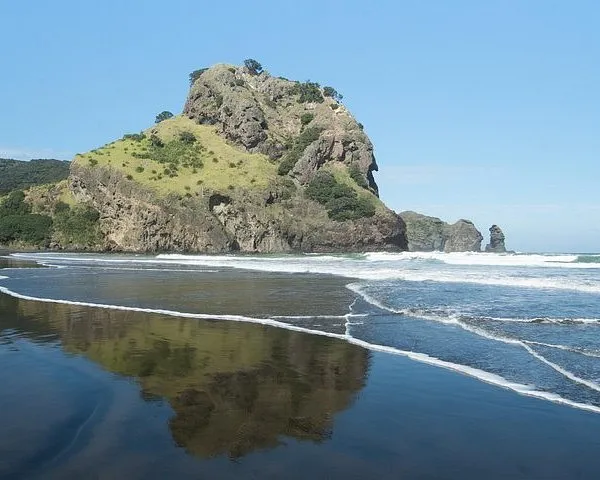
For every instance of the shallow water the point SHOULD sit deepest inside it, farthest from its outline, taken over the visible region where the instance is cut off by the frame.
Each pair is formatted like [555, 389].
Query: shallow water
[527, 322]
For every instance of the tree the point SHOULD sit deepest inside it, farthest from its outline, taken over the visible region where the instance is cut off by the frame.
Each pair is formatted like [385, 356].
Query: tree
[14, 204]
[332, 92]
[253, 66]
[195, 75]
[163, 116]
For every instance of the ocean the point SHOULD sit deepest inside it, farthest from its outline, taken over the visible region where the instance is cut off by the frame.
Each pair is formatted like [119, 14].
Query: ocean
[519, 331]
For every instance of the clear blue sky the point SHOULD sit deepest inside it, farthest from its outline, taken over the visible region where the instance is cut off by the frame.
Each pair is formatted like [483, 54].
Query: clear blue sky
[488, 110]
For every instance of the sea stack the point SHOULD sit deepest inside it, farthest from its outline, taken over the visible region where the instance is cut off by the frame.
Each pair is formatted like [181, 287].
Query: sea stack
[496, 244]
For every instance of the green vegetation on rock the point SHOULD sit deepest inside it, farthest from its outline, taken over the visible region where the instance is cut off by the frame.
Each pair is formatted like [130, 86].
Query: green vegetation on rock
[340, 200]
[357, 176]
[253, 66]
[332, 92]
[308, 136]
[195, 75]
[162, 116]
[308, 92]
[77, 225]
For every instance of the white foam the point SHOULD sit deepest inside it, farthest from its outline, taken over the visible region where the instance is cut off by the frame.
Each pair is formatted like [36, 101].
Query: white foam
[526, 390]
[580, 351]
[560, 321]
[372, 266]
[3, 278]
[455, 320]
[484, 258]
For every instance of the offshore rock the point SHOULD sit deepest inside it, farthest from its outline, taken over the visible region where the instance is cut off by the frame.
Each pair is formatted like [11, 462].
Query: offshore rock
[462, 236]
[496, 244]
[426, 234]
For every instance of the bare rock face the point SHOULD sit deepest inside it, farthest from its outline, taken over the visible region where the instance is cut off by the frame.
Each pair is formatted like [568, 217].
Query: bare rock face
[462, 236]
[426, 234]
[261, 113]
[496, 244]
[135, 219]
[423, 233]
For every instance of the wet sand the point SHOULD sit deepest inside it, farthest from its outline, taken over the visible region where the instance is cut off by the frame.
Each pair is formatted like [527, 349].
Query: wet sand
[137, 395]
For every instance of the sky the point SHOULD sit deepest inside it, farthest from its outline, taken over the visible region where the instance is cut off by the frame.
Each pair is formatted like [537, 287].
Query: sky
[486, 110]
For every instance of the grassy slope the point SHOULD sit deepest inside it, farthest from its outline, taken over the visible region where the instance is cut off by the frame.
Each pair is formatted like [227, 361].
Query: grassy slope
[231, 168]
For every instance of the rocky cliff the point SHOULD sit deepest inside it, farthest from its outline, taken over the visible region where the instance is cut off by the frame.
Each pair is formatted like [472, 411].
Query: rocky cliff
[428, 234]
[255, 164]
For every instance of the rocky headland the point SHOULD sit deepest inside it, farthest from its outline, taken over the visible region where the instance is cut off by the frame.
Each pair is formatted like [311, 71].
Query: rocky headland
[254, 163]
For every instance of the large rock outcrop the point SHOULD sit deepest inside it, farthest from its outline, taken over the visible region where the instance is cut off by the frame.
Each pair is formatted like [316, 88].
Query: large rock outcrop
[262, 113]
[496, 244]
[426, 234]
[231, 174]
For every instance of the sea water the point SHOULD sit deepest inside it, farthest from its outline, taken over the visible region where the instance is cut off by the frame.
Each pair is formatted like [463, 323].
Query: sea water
[526, 322]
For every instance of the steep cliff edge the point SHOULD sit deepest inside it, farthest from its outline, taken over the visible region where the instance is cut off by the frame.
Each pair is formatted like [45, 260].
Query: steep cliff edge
[254, 164]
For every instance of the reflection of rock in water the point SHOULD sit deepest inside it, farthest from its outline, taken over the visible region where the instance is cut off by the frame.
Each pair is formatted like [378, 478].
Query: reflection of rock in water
[234, 387]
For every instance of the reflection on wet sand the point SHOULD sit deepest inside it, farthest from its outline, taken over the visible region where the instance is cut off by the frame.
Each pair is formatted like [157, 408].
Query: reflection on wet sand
[234, 387]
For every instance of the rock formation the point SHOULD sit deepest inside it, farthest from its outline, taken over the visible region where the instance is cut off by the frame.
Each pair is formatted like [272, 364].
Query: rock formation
[496, 244]
[428, 234]
[239, 182]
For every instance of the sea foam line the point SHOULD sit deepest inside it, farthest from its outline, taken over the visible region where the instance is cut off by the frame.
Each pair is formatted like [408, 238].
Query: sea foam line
[565, 348]
[349, 267]
[478, 374]
[453, 320]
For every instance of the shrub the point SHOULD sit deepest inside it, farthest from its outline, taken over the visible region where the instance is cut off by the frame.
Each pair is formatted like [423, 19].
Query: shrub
[61, 207]
[195, 75]
[286, 165]
[139, 169]
[239, 82]
[334, 106]
[219, 100]
[308, 92]
[129, 177]
[253, 66]
[93, 162]
[136, 137]
[306, 118]
[164, 115]
[340, 200]
[187, 137]
[155, 141]
[357, 176]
